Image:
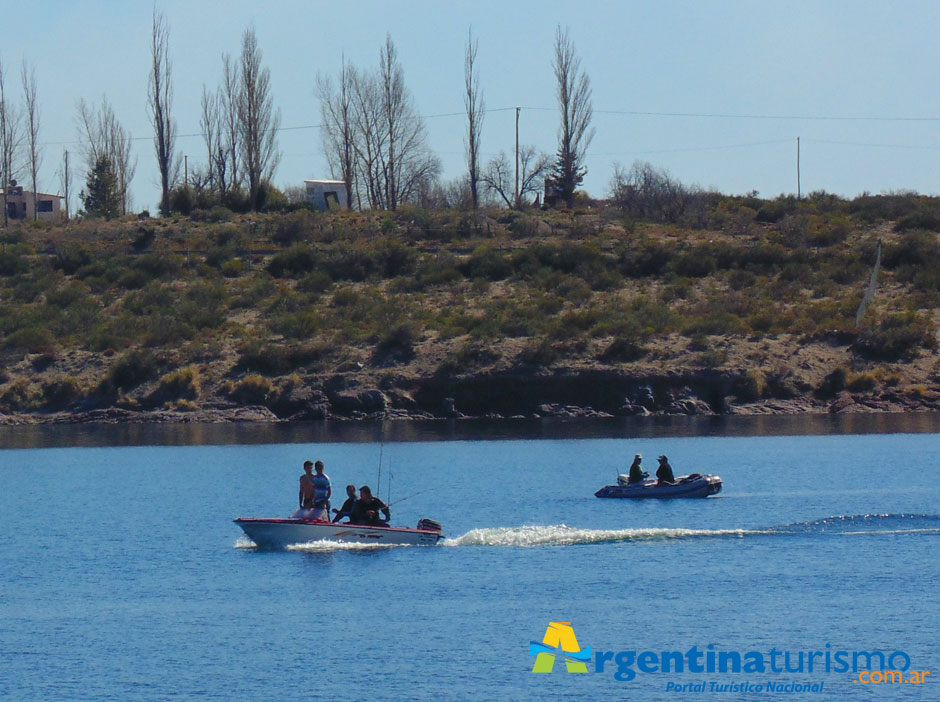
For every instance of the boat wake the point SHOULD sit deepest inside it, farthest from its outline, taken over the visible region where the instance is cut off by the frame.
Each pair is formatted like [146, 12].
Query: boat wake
[322, 546]
[563, 535]
[329, 546]
[856, 524]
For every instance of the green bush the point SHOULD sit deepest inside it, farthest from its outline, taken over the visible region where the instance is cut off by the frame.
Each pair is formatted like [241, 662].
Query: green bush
[297, 261]
[540, 353]
[183, 383]
[69, 260]
[132, 369]
[750, 387]
[19, 396]
[714, 323]
[625, 349]
[488, 263]
[862, 382]
[316, 282]
[896, 337]
[59, 393]
[32, 340]
[251, 390]
[297, 325]
[833, 383]
[397, 344]
[293, 228]
[278, 359]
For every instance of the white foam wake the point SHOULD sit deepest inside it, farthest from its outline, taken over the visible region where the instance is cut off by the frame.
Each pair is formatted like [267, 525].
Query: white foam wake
[324, 546]
[563, 535]
[321, 546]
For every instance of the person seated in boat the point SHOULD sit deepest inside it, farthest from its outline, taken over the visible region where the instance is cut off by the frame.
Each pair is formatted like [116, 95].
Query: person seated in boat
[347, 508]
[323, 489]
[664, 472]
[367, 508]
[637, 474]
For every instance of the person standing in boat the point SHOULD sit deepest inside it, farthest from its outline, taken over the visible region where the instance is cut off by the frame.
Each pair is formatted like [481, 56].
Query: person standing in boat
[323, 489]
[307, 495]
[637, 474]
[367, 508]
[664, 472]
[347, 508]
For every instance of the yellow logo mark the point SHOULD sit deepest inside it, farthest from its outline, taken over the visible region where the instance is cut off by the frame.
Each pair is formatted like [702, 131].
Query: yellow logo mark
[559, 640]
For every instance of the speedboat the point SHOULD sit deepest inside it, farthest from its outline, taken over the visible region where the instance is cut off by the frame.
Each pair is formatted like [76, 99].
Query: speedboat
[693, 485]
[281, 533]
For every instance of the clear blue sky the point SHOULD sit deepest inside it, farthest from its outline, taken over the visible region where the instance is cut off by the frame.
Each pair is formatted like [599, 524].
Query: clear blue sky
[714, 92]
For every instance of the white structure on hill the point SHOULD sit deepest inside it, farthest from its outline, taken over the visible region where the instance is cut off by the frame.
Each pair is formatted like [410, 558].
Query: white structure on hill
[20, 204]
[327, 194]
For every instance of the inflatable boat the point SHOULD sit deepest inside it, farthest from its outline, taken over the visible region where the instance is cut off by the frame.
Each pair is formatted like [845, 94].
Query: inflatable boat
[694, 485]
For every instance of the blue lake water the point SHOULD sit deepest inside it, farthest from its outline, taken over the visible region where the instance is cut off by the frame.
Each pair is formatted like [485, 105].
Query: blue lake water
[123, 577]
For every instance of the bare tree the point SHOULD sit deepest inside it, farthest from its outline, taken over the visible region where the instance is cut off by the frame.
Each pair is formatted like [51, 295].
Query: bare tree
[368, 139]
[210, 122]
[375, 137]
[257, 118]
[31, 122]
[160, 101]
[476, 109]
[102, 135]
[574, 102]
[407, 162]
[230, 137]
[336, 109]
[11, 139]
[498, 176]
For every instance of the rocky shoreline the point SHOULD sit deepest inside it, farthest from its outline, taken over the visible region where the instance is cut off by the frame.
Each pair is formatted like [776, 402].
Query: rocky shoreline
[565, 394]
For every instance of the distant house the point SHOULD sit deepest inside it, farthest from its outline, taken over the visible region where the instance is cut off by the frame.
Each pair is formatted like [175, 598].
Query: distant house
[20, 204]
[327, 194]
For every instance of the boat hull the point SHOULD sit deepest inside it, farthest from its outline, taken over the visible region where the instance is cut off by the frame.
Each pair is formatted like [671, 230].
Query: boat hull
[281, 533]
[688, 486]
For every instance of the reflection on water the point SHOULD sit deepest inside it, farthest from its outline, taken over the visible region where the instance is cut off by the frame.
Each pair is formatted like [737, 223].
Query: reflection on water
[49, 436]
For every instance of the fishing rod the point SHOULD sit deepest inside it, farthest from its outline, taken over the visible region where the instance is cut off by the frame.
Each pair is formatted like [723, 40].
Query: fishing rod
[408, 497]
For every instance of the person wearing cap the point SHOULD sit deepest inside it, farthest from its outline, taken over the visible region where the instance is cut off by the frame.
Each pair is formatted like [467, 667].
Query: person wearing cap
[637, 474]
[664, 472]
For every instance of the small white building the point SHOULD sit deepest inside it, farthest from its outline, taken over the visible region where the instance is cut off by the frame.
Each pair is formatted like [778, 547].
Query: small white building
[20, 204]
[327, 194]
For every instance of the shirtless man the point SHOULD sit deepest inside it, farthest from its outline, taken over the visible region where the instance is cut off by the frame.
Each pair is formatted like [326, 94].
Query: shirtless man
[308, 490]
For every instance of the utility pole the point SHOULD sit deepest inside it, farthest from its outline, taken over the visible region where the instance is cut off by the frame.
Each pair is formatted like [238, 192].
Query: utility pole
[67, 177]
[515, 198]
[798, 169]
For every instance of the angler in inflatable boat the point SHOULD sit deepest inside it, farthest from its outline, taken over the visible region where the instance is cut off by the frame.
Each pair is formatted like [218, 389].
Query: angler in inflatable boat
[666, 485]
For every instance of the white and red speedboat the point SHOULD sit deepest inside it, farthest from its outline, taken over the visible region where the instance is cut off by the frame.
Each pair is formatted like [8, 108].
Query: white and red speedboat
[281, 533]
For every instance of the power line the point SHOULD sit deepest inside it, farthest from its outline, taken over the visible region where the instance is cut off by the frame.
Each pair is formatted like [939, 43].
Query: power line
[913, 147]
[697, 148]
[807, 118]
[632, 113]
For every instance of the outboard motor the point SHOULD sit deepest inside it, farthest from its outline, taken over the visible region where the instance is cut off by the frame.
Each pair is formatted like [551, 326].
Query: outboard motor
[623, 479]
[429, 525]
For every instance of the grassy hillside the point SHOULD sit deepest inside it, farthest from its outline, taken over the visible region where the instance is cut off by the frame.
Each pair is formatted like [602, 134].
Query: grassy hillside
[306, 313]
